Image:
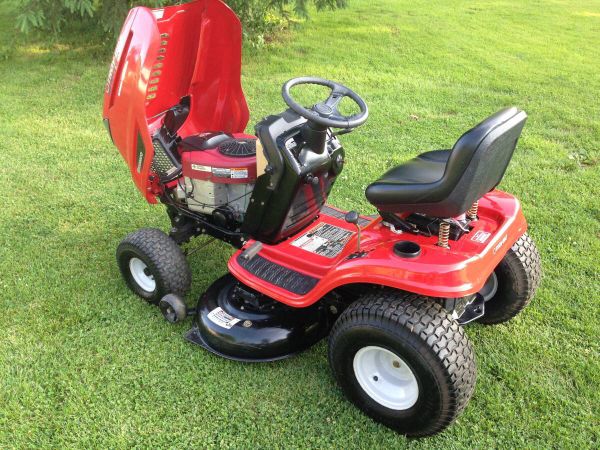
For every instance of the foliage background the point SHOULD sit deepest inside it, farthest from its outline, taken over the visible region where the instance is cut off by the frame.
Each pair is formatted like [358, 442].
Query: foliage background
[260, 18]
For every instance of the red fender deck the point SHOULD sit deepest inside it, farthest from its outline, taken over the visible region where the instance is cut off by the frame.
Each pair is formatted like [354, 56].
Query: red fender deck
[438, 272]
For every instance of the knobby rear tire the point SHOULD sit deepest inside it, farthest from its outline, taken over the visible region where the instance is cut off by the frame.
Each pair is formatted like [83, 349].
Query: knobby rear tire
[519, 275]
[426, 337]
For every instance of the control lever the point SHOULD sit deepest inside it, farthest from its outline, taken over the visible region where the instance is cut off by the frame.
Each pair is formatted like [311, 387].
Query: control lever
[311, 179]
[251, 251]
[352, 217]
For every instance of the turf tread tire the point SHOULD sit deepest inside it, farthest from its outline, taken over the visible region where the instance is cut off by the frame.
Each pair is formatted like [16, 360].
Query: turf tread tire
[164, 258]
[427, 326]
[519, 275]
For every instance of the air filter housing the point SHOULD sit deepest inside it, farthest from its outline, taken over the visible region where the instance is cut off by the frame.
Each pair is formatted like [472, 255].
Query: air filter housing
[238, 148]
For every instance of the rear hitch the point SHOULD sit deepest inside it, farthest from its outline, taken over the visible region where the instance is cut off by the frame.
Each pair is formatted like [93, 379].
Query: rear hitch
[473, 311]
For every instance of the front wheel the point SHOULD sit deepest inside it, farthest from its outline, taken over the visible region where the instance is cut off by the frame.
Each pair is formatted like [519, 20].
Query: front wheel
[153, 265]
[404, 361]
[514, 282]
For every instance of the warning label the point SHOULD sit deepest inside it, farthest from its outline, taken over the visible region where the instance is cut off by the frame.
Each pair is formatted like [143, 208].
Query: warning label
[481, 236]
[222, 172]
[221, 318]
[325, 240]
[239, 173]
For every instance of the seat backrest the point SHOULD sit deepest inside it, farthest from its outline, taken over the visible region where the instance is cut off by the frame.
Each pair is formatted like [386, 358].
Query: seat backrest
[480, 156]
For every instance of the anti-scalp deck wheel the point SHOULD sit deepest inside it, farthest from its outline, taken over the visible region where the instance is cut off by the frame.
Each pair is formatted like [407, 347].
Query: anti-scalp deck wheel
[404, 361]
[517, 278]
[173, 308]
[153, 265]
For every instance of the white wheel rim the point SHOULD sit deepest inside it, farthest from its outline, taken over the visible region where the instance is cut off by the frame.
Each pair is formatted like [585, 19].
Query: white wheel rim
[139, 272]
[386, 378]
[490, 287]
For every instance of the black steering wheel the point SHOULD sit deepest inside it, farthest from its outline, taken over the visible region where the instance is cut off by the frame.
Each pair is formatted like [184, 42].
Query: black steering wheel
[326, 113]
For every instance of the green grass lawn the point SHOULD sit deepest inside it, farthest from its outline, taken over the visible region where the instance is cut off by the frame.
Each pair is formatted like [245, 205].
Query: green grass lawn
[84, 363]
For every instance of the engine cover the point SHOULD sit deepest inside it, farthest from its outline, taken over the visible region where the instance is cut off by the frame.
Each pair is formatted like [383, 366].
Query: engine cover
[214, 179]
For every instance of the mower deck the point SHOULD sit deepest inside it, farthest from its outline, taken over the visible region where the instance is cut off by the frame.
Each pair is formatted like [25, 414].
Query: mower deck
[302, 269]
[237, 324]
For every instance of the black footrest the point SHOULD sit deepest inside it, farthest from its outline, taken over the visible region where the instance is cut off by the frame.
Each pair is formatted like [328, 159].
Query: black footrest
[285, 278]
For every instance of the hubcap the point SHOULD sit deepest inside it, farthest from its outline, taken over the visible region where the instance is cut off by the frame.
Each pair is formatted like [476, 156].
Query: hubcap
[141, 274]
[490, 287]
[169, 314]
[386, 378]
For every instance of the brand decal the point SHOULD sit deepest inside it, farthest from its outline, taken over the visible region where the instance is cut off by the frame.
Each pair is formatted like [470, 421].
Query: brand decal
[500, 244]
[201, 168]
[140, 162]
[221, 173]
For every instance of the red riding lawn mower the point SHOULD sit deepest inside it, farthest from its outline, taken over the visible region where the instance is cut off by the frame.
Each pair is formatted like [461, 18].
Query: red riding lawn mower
[391, 291]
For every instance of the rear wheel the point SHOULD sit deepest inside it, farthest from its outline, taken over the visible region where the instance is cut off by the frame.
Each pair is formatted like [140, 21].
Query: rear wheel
[404, 361]
[153, 265]
[515, 281]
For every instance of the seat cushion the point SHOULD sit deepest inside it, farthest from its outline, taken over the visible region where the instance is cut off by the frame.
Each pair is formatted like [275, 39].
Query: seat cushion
[404, 183]
[426, 168]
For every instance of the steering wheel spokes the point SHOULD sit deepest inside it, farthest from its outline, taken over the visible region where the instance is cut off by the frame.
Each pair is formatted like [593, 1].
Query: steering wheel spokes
[326, 113]
[329, 108]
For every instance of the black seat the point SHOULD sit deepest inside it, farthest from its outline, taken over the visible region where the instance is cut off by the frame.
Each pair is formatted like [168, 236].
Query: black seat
[445, 183]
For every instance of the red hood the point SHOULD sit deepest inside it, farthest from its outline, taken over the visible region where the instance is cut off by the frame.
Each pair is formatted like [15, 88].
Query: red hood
[163, 55]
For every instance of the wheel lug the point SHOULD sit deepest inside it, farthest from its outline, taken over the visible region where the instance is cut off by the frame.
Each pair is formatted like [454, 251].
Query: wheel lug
[396, 364]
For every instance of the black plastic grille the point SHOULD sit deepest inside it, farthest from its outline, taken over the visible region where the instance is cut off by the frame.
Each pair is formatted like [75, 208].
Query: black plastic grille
[285, 278]
[238, 147]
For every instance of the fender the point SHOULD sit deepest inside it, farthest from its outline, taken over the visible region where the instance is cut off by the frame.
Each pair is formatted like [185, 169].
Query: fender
[437, 272]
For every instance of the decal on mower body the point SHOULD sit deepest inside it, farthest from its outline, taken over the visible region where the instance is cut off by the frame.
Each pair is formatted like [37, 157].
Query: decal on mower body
[239, 173]
[325, 240]
[223, 172]
[500, 244]
[481, 237]
[201, 168]
[221, 318]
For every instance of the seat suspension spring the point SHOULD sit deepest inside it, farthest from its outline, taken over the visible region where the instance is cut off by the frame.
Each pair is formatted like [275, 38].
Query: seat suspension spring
[444, 234]
[472, 212]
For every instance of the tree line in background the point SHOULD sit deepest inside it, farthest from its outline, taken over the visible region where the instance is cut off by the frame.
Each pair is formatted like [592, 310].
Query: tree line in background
[260, 18]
